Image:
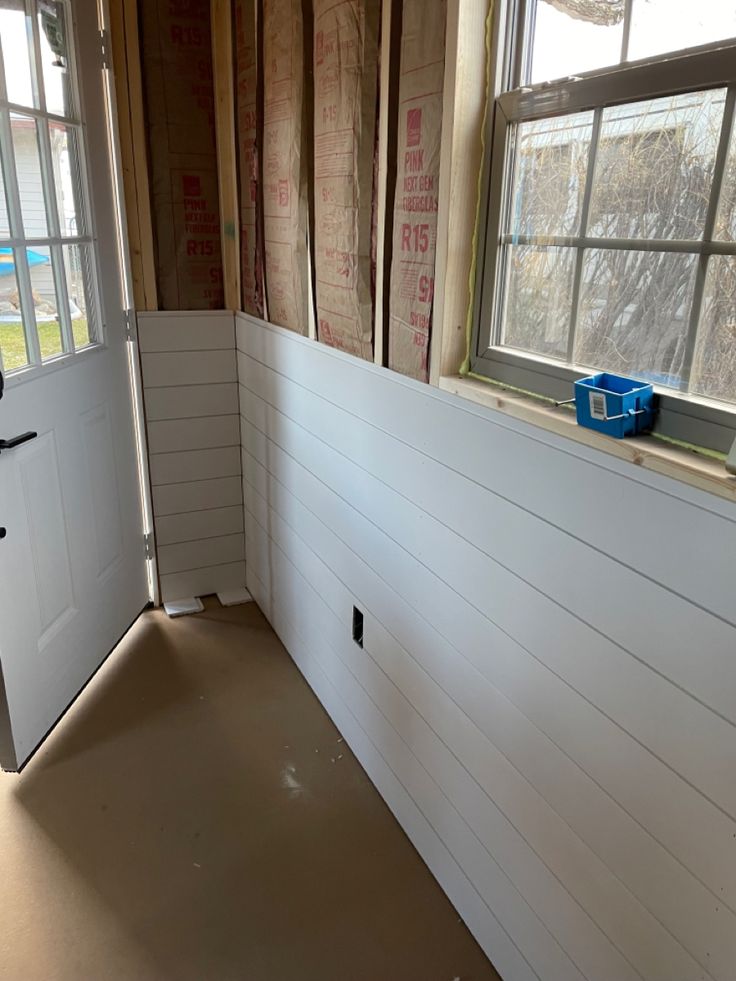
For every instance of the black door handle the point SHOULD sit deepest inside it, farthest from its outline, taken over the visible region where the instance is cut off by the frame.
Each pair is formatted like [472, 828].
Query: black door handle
[10, 444]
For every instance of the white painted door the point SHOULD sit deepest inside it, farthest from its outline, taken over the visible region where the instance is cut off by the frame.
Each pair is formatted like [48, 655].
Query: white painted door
[73, 573]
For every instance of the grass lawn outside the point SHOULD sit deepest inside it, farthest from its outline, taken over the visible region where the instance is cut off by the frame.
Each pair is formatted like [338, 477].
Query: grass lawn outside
[13, 345]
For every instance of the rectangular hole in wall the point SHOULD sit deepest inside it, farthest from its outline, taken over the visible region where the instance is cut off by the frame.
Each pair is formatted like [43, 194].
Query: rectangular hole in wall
[357, 626]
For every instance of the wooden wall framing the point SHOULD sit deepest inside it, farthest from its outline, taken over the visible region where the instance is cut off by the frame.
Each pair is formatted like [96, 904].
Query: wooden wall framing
[464, 103]
[464, 108]
[126, 58]
[227, 169]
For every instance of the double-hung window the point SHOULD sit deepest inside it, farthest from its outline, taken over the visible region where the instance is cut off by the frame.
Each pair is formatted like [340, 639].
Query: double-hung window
[609, 240]
[48, 292]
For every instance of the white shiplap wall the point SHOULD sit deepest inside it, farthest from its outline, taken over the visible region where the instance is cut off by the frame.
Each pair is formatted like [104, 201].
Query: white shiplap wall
[193, 428]
[546, 697]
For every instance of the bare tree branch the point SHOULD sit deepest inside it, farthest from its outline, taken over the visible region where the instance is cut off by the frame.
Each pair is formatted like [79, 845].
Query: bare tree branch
[603, 12]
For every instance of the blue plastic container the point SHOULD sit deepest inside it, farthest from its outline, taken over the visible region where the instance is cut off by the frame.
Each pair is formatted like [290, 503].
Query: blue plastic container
[614, 405]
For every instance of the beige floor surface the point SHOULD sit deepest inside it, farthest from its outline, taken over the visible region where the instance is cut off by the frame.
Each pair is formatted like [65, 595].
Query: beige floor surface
[185, 821]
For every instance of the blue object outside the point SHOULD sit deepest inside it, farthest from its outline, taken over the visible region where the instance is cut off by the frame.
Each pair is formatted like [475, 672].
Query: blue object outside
[7, 260]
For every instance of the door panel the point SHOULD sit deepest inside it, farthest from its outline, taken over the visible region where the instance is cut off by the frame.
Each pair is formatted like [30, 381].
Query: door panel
[73, 573]
[37, 466]
[104, 484]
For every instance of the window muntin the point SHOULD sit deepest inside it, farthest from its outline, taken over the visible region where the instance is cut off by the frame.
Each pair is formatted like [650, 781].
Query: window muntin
[612, 225]
[48, 283]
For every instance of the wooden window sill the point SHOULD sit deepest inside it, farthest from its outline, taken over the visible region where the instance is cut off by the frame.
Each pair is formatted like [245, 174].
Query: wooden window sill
[644, 451]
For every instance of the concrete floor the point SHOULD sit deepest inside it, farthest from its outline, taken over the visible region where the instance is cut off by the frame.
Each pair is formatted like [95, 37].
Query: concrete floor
[185, 821]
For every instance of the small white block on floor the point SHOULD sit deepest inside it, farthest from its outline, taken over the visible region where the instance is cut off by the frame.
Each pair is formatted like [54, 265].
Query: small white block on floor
[233, 597]
[182, 607]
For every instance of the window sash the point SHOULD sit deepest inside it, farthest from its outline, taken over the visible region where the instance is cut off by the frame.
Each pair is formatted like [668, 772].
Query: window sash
[17, 240]
[681, 416]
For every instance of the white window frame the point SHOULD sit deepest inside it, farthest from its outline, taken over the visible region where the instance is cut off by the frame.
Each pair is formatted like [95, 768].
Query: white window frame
[55, 241]
[681, 416]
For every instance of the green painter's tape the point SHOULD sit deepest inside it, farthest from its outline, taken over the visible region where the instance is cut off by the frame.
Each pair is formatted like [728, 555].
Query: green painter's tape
[465, 366]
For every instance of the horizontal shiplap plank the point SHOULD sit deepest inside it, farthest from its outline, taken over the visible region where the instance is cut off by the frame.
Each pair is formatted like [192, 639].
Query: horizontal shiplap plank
[191, 401]
[202, 582]
[188, 368]
[607, 503]
[201, 465]
[193, 525]
[505, 955]
[696, 743]
[208, 332]
[649, 946]
[210, 432]
[197, 495]
[184, 556]
[659, 627]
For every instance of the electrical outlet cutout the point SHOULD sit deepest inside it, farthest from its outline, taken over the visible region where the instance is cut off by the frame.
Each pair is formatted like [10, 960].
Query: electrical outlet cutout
[358, 626]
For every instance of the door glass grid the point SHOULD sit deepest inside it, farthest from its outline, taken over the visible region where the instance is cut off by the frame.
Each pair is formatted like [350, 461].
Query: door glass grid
[48, 288]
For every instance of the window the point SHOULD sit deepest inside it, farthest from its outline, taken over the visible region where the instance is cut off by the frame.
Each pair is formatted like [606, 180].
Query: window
[48, 297]
[611, 205]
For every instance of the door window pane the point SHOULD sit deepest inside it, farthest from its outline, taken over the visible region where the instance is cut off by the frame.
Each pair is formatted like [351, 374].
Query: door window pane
[28, 168]
[572, 37]
[661, 26]
[17, 43]
[78, 268]
[4, 222]
[634, 313]
[45, 303]
[12, 334]
[714, 364]
[654, 167]
[52, 30]
[550, 165]
[538, 299]
[67, 179]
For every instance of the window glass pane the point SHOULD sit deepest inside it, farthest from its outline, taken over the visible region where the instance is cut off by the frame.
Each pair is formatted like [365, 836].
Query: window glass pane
[67, 179]
[714, 364]
[4, 222]
[44, 300]
[550, 165]
[78, 266]
[654, 167]
[573, 36]
[12, 335]
[660, 26]
[54, 59]
[16, 41]
[28, 167]
[538, 299]
[634, 313]
[725, 227]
